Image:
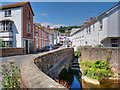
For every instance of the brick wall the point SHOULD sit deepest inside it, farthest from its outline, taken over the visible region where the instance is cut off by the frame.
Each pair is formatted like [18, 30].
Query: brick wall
[12, 51]
[92, 54]
[25, 20]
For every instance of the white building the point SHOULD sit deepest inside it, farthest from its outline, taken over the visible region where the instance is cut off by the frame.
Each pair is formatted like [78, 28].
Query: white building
[105, 30]
[16, 25]
[63, 37]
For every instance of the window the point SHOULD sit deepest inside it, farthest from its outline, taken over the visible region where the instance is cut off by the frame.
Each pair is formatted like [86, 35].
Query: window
[93, 27]
[7, 43]
[89, 29]
[28, 14]
[42, 33]
[101, 26]
[36, 31]
[7, 13]
[114, 42]
[37, 43]
[28, 27]
[6, 26]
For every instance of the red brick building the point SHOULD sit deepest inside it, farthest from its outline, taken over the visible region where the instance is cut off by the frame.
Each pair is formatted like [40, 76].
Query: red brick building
[41, 36]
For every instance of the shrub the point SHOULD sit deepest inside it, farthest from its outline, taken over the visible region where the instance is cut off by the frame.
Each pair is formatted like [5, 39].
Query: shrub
[99, 45]
[97, 69]
[78, 51]
[10, 75]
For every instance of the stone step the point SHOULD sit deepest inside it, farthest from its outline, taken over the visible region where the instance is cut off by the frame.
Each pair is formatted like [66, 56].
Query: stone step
[75, 65]
[75, 68]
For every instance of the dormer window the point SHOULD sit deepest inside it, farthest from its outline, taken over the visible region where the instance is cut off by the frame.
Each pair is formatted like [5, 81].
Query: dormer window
[28, 14]
[7, 13]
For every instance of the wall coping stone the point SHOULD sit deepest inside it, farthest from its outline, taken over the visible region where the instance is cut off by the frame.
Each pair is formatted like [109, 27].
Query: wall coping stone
[31, 74]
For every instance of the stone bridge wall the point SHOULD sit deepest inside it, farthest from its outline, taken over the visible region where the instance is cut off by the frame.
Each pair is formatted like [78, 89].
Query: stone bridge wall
[92, 54]
[33, 69]
[56, 60]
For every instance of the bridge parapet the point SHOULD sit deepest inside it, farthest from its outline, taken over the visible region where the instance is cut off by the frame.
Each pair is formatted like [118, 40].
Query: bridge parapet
[33, 69]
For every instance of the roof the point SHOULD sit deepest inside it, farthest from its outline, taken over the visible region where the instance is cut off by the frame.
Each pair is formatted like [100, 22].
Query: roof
[15, 5]
[100, 16]
[105, 13]
[74, 30]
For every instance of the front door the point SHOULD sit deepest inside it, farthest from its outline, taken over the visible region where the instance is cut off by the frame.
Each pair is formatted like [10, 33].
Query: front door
[26, 46]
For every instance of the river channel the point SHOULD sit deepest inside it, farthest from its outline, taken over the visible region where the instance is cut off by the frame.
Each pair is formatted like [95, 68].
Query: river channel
[74, 81]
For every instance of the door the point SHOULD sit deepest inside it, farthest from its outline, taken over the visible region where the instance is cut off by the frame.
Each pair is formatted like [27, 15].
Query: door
[26, 46]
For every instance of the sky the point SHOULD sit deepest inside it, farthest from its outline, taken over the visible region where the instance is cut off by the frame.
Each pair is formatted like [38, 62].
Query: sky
[58, 14]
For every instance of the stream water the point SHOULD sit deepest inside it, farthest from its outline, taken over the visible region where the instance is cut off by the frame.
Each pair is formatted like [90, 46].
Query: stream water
[74, 81]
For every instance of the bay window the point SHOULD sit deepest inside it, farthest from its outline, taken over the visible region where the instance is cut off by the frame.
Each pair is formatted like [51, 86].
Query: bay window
[6, 26]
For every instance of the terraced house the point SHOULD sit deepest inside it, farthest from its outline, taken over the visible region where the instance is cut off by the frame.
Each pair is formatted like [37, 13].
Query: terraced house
[42, 36]
[16, 25]
[105, 30]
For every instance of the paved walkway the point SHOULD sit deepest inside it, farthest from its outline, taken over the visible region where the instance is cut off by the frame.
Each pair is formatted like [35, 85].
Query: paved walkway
[18, 58]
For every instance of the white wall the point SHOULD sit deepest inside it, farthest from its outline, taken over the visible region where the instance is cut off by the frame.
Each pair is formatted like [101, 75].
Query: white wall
[110, 28]
[113, 24]
[16, 17]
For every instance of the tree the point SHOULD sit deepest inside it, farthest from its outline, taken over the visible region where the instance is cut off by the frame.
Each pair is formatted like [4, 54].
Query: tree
[75, 26]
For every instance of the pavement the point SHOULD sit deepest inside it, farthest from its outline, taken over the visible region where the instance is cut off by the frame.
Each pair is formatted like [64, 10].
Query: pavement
[18, 58]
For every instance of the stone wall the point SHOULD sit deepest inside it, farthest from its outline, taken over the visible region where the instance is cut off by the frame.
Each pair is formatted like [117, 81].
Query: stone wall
[12, 51]
[48, 60]
[33, 68]
[92, 54]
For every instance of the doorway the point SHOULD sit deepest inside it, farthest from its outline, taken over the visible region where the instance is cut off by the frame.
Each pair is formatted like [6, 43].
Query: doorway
[26, 43]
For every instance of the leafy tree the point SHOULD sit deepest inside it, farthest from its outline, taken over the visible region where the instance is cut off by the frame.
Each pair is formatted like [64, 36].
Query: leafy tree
[75, 26]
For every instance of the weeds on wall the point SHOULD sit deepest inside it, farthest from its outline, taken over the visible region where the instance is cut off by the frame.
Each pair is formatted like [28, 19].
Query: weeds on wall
[98, 69]
[10, 75]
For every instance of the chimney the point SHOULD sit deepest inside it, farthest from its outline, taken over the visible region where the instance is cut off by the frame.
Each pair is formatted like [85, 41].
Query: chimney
[48, 27]
[92, 18]
[43, 27]
[86, 22]
[82, 25]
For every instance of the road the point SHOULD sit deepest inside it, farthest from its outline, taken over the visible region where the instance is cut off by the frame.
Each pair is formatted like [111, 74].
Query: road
[18, 58]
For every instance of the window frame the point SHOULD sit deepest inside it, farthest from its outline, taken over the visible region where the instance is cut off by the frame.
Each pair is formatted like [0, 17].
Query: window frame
[28, 14]
[28, 28]
[7, 13]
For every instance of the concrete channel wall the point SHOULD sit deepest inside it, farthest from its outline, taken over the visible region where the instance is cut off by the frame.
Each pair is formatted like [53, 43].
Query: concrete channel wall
[92, 54]
[33, 69]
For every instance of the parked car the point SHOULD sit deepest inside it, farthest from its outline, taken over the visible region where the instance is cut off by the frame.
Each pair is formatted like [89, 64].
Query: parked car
[47, 48]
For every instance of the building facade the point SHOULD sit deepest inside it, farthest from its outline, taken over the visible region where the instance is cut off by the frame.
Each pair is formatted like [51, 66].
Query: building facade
[104, 30]
[42, 37]
[16, 25]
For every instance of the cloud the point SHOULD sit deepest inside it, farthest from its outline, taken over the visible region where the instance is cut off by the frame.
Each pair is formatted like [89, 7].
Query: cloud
[52, 25]
[43, 14]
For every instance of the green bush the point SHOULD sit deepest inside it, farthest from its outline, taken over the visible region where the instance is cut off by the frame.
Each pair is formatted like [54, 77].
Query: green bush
[78, 51]
[97, 69]
[10, 75]
[99, 45]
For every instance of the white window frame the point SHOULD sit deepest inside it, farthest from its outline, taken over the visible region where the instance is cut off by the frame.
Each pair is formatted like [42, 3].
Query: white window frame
[37, 43]
[28, 28]
[7, 14]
